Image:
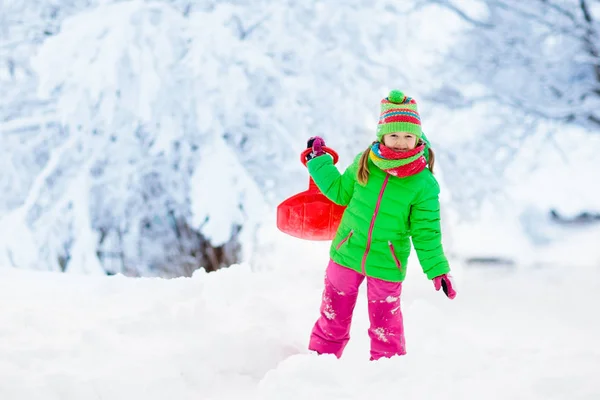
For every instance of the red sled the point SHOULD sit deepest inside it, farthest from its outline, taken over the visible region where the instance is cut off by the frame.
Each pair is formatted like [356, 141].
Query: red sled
[310, 215]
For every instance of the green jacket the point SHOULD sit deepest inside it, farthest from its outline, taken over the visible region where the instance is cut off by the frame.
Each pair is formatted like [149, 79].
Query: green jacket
[373, 235]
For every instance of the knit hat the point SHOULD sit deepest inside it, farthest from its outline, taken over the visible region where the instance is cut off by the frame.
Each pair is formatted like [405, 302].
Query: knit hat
[399, 114]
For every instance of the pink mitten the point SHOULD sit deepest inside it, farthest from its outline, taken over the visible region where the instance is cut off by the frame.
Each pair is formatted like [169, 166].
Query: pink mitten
[445, 282]
[316, 143]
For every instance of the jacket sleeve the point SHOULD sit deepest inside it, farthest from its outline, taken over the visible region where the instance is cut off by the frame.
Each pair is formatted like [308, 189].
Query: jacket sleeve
[426, 232]
[335, 186]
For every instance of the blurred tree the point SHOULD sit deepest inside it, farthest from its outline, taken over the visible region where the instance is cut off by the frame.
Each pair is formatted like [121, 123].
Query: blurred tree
[540, 56]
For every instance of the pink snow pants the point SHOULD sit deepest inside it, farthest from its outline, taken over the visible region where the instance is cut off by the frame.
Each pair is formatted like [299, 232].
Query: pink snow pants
[332, 330]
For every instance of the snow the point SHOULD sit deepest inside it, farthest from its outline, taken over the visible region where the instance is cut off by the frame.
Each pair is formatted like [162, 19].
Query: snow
[240, 333]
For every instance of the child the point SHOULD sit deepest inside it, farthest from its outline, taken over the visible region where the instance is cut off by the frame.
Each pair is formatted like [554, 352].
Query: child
[391, 195]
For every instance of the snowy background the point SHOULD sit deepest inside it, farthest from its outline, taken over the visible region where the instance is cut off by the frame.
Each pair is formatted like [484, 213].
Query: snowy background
[154, 139]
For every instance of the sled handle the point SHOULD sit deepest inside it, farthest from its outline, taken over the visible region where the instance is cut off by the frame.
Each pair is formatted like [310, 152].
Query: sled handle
[327, 150]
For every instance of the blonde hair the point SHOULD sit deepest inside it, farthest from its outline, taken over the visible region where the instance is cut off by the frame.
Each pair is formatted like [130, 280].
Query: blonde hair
[363, 164]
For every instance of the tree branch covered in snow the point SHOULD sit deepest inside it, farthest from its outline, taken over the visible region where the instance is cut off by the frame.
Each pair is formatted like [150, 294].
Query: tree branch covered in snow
[540, 56]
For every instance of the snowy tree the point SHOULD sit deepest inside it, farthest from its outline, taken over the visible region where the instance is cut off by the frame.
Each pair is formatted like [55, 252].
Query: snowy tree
[118, 184]
[541, 57]
[25, 119]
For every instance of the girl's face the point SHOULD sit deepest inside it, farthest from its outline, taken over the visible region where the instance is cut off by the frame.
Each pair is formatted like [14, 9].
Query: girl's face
[400, 141]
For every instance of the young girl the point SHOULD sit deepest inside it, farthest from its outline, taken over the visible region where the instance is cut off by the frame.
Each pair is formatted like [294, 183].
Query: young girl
[391, 195]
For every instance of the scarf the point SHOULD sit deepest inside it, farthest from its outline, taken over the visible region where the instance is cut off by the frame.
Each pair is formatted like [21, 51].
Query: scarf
[398, 164]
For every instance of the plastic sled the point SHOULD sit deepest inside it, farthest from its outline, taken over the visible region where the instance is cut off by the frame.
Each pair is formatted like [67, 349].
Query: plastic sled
[310, 215]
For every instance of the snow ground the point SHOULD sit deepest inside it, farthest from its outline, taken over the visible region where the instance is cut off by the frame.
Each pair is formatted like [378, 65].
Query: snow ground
[241, 333]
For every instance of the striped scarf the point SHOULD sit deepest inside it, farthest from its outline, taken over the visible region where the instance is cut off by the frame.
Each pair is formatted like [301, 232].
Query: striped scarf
[398, 164]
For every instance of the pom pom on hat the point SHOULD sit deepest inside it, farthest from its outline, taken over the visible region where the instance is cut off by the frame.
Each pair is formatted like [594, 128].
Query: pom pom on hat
[396, 96]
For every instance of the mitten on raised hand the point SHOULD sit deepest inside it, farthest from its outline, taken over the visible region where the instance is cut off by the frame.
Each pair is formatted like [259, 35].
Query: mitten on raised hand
[316, 143]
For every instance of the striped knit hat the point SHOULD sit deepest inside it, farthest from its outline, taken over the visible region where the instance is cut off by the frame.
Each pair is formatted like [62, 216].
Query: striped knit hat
[399, 114]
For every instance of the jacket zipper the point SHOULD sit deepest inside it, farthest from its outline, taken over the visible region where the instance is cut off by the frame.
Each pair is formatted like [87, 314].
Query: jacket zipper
[398, 263]
[344, 240]
[364, 259]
